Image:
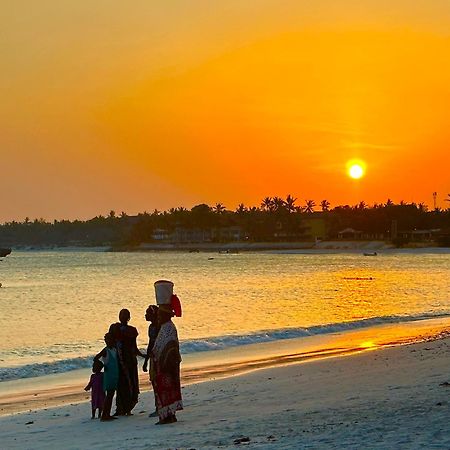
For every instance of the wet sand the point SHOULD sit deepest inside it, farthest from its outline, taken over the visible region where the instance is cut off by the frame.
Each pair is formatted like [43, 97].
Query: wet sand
[386, 398]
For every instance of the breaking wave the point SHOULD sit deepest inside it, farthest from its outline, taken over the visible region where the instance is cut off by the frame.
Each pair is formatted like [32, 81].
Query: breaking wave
[215, 343]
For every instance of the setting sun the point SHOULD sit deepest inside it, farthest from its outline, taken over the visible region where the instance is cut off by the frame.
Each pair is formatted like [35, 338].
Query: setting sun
[356, 169]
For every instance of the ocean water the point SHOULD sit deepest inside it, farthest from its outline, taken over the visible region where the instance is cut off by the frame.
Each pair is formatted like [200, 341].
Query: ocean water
[55, 306]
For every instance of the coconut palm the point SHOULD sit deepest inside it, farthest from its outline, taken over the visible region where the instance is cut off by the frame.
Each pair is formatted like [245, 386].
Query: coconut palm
[241, 208]
[219, 208]
[267, 204]
[325, 205]
[290, 203]
[278, 203]
[309, 206]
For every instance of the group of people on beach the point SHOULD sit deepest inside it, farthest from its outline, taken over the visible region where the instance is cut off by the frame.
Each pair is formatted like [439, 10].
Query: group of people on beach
[115, 368]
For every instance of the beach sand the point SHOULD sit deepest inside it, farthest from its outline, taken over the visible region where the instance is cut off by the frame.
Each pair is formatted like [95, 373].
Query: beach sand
[389, 398]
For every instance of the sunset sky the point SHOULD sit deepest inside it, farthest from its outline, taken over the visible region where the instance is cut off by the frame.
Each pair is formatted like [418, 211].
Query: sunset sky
[151, 104]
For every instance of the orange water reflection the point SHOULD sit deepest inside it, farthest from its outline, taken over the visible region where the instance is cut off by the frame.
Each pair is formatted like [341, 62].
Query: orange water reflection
[237, 360]
[19, 395]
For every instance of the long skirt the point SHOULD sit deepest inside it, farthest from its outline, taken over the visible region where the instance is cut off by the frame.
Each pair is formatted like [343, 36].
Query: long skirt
[168, 394]
[127, 389]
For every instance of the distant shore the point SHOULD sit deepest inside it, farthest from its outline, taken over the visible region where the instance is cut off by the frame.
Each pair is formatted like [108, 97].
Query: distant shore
[234, 247]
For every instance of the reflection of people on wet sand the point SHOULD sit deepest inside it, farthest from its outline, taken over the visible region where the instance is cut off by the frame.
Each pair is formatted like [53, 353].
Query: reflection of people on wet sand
[166, 355]
[128, 389]
[95, 385]
[151, 315]
[111, 374]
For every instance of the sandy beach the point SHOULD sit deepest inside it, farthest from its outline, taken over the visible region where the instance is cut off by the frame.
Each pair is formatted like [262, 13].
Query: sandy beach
[383, 398]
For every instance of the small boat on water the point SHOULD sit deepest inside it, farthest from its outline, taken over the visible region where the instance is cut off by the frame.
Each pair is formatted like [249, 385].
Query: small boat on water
[4, 252]
[370, 254]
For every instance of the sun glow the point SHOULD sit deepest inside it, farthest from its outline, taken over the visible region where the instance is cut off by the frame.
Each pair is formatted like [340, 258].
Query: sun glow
[356, 169]
[368, 345]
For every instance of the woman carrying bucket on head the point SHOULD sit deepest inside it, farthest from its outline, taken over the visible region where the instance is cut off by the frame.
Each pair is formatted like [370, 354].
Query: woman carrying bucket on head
[166, 354]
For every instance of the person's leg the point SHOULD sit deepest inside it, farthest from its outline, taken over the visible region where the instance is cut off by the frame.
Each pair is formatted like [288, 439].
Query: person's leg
[121, 400]
[169, 419]
[93, 412]
[155, 412]
[154, 394]
[106, 413]
[100, 412]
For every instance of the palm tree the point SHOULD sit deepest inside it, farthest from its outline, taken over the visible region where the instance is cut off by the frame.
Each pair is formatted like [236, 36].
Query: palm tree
[325, 205]
[447, 199]
[389, 202]
[219, 208]
[309, 206]
[278, 203]
[290, 203]
[267, 204]
[241, 208]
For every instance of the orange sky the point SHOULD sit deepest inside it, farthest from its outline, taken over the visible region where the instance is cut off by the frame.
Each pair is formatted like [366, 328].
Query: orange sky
[146, 105]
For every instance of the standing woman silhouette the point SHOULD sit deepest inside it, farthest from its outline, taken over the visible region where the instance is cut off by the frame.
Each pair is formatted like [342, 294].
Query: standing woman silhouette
[128, 387]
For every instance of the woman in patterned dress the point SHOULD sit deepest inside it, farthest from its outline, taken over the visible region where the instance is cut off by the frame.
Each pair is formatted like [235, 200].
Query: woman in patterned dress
[166, 355]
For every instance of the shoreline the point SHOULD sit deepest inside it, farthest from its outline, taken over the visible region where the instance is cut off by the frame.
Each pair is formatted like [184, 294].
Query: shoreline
[391, 398]
[236, 247]
[57, 390]
[308, 246]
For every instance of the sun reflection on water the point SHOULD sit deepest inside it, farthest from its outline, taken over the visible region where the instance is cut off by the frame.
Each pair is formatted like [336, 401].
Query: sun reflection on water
[72, 297]
[367, 344]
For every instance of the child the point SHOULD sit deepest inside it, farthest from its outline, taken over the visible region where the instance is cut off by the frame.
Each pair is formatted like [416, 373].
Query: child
[111, 374]
[96, 386]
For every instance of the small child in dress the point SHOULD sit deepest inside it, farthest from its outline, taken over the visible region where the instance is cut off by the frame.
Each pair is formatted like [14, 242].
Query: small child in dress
[96, 386]
[111, 374]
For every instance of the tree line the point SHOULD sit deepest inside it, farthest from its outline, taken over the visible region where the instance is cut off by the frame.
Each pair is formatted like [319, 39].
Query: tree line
[274, 219]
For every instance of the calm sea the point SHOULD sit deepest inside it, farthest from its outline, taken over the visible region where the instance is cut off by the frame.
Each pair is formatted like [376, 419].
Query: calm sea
[56, 305]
